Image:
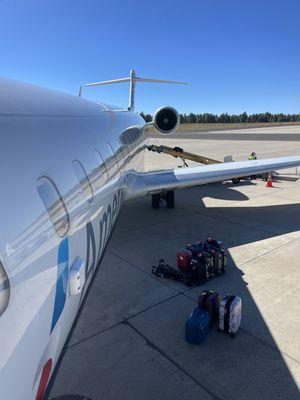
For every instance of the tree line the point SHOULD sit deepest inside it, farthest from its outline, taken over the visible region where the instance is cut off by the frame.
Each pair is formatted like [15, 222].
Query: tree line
[192, 118]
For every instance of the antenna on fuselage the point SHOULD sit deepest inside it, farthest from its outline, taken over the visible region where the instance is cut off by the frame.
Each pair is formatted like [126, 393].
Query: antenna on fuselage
[132, 79]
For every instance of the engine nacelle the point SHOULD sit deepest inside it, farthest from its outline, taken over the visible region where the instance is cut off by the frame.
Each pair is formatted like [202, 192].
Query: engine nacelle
[166, 120]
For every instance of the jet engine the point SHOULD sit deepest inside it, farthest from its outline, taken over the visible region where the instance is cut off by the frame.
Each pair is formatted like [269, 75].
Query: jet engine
[166, 120]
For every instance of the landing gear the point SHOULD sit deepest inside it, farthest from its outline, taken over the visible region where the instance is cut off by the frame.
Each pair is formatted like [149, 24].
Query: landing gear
[167, 197]
[155, 200]
[170, 199]
[236, 180]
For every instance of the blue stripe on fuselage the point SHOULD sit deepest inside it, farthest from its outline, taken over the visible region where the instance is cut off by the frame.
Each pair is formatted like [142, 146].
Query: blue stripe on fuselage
[62, 281]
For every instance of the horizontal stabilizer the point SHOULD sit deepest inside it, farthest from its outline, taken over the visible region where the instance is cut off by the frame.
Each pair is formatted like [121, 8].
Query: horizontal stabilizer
[132, 79]
[108, 82]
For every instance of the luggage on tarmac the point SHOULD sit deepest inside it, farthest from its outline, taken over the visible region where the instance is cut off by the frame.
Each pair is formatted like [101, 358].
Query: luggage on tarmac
[194, 248]
[214, 248]
[217, 245]
[199, 270]
[208, 260]
[209, 300]
[197, 326]
[213, 242]
[200, 254]
[183, 260]
[166, 271]
[210, 265]
[230, 314]
[198, 263]
[227, 313]
[220, 261]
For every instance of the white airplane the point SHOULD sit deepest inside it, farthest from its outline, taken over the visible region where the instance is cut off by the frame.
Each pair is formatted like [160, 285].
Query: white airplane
[67, 167]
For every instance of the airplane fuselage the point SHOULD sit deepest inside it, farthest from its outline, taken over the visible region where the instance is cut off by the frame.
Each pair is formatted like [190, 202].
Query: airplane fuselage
[55, 139]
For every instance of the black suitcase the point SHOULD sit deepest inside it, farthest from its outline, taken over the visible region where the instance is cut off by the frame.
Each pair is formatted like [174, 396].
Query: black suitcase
[219, 254]
[208, 259]
[199, 270]
[210, 265]
[209, 300]
[194, 248]
[216, 243]
[198, 252]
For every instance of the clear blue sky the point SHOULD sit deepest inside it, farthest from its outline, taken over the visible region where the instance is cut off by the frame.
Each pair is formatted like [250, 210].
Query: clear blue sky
[236, 55]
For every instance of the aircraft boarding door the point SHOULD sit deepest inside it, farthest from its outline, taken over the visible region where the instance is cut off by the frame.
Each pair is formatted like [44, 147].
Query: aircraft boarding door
[92, 199]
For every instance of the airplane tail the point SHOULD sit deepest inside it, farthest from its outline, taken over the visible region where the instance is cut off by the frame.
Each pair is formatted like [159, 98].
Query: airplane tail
[132, 79]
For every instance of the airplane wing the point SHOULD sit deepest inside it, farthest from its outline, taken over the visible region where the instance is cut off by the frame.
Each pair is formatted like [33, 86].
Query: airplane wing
[178, 178]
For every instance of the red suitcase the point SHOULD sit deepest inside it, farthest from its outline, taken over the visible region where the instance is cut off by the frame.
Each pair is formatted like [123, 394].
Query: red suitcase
[209, 300]
[183, 260]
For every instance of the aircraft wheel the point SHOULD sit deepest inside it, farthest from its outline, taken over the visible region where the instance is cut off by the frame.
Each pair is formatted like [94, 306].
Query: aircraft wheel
[155, 200]
[170, 199]
[236, 180]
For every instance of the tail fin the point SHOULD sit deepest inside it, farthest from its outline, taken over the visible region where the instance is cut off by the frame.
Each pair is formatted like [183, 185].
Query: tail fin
[132, 79]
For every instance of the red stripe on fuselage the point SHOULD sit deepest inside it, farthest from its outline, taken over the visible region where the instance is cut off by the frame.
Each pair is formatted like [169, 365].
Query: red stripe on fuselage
[44, 380]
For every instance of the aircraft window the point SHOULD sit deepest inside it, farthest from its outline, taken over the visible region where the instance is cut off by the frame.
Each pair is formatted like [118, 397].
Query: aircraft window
[4, 290]
[131, 135]
[113, 153]
[54, 205]
[112, 162]
[102, 165]
[83, 180]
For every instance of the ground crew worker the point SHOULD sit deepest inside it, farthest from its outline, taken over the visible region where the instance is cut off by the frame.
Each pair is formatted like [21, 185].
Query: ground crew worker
[252, 157]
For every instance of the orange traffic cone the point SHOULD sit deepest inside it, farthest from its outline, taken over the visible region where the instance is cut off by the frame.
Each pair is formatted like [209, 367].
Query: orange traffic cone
[269, 181]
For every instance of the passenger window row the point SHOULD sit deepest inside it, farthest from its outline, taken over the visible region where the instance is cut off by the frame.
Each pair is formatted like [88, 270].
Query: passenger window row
[53, 200]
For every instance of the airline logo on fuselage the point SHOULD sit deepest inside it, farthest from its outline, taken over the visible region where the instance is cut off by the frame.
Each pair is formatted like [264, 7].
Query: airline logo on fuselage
[92, 258]
[106, 223]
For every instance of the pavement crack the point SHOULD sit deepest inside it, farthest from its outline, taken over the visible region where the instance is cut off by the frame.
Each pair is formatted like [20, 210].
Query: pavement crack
[178, 366]
[93, 335]
[269, 251]
[100, 332]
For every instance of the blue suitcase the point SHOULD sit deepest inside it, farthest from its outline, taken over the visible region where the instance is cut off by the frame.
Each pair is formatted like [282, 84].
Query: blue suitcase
[197, 326]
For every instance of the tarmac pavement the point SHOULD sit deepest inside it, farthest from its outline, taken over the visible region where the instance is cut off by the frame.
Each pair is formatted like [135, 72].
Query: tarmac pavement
[129, 340]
